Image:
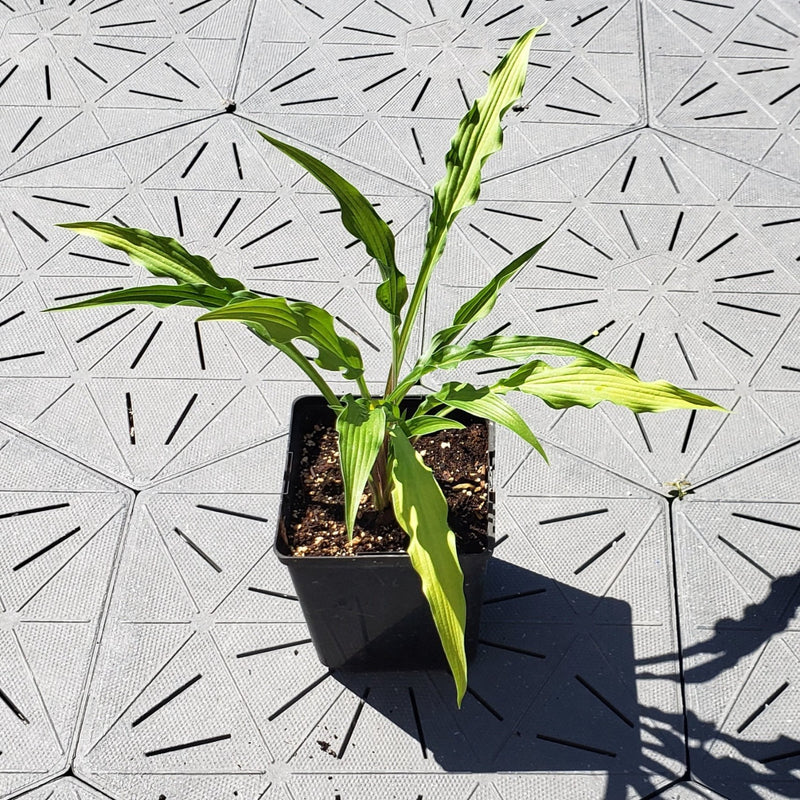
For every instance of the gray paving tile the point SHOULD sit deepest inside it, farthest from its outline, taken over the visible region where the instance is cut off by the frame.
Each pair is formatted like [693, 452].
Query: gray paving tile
[385, 84]
[60, 526]
[738, 589]
[219, 637]
[64, 789]
[674, 249]
[724, 75]
[79, 76]
[690, 791]
[226, 194]
[665, 257]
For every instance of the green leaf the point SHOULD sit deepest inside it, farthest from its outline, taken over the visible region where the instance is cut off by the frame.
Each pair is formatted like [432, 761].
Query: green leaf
[585, 384]
[428, 423]
[482, 303]
[281, 322]
[185, 294]
[361, 432]
[479, 135]
[516, 348]
[360, 219]
[483, 402]
[160, 255]
[421, 510]
[510, 348]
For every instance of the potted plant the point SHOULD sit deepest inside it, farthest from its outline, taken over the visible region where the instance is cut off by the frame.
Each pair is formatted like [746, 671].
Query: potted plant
[377, 433]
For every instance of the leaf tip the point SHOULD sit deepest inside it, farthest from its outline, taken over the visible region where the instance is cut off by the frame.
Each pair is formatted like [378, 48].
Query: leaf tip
[272, 140]
[529, 35]
[531, 32]
[544, 456]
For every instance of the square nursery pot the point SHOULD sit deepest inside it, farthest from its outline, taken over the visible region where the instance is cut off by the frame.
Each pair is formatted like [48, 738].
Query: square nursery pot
[367, 611]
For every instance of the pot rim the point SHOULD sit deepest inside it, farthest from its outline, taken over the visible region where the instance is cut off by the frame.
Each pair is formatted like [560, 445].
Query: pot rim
[280, 534]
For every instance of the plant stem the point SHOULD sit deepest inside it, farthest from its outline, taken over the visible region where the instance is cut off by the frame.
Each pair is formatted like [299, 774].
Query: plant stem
[363, 388]
[394, 369]
[379, 479]
[433, 251]
[311, 371]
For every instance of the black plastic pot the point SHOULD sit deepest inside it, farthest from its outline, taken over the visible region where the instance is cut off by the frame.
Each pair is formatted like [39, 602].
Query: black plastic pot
[368, 611]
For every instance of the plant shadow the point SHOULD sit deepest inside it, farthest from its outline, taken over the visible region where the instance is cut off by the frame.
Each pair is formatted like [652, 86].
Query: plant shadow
[744, 660]
[556, 687]
[552, 687]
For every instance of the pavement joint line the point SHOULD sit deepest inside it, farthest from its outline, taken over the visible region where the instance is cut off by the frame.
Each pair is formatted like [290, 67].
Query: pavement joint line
[748, 463]
[5, 176]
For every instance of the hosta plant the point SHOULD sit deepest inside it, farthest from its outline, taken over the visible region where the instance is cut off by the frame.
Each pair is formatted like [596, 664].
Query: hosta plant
[375, 438]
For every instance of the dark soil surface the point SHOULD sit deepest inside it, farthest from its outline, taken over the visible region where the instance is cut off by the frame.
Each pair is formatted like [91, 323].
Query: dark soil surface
[458, 459]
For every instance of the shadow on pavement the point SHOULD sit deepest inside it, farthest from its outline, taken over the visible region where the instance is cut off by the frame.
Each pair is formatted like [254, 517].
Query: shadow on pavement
[737, 759]
[556, 688]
